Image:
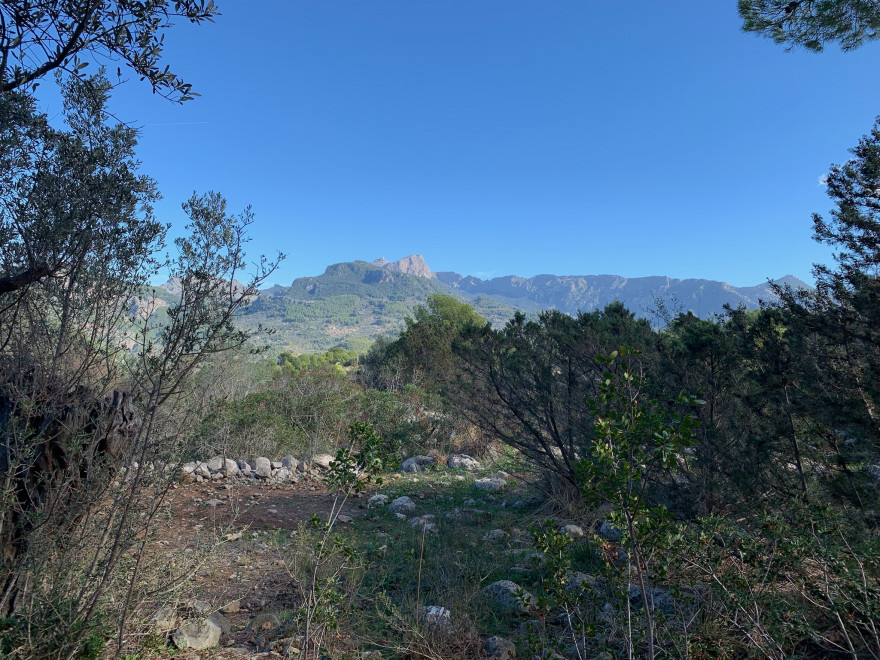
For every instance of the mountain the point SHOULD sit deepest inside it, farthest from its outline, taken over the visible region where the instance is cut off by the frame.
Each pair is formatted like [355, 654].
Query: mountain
[352, 303]
[641, 295]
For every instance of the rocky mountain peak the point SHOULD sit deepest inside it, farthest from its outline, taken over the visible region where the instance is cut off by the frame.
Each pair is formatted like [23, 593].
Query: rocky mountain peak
[414, 264]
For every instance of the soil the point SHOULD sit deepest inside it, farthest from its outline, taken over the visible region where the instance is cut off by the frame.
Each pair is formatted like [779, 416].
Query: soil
[248, 571]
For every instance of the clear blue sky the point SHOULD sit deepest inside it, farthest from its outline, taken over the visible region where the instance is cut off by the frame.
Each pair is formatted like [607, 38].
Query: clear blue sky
[502, 137]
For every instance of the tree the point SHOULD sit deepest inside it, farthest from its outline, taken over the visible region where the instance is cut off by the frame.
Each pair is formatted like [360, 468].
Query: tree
[91, 395]
[813, 23]
[38, 37]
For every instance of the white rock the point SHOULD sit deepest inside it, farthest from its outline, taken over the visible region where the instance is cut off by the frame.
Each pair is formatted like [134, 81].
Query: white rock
[403, 505]
[377, 501]
[462, 462]
[197, 634]
[230, 467]
[322, 461]
[216, 463]
[574, 531]
[263, 467]
[417, 464]
[490, 484]
[436, 616]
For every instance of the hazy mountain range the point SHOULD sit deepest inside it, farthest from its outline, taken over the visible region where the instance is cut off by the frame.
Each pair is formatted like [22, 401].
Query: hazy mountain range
[352, 303]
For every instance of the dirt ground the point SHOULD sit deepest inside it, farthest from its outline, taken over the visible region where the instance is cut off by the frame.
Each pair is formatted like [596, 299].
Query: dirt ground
[248, 576]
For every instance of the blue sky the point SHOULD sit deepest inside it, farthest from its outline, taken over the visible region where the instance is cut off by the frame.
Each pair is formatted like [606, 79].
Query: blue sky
[502, 137]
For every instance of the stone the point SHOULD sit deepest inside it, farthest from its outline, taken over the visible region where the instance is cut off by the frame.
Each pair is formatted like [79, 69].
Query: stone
[609, 532]
[403, 505]
[197, 634]
[490, 484]
[462, 462]
[574, 531]
[231, 607]
[424, 523]
[495, 535]
[377, 501]
[417, 464]
[263, 467]
[577, 583]
[436, 617]
[221, 621]
[276, 465]
[215, 464]
[500, 648]
[230, 467]
[289, 462]
[322, 461]
[264, 622]
[345, 520]
[202, 471]
[510, 595]
[188, 468]
[165, 619]
[197, 606]
[281, 474]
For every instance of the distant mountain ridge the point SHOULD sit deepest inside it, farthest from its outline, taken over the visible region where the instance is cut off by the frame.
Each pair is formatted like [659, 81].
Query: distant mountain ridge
[352, 303]
[574, 293]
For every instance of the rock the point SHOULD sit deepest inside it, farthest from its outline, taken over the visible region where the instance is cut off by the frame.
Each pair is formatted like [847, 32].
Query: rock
[263, 467]
[660, 599]
[345, 520]
[221, 621]
[417, 464]
[462, 462]
[402, 505]
[214, 502]
[188, 468]
[230, 467]
[216, 464]
[264, 622]
[510, 595]
[609, 532]
[231, 608]
[424, 523]
[436, 617]
[202, 471]
[490, 484]
[577, 583]
[276, 465]
[289, 462]
[322, 461]
[500, 648]
[281, 474]
[495, 535]
[197, 634]
[574, 531]
[469, 502]
[165, 619]
[377, 501]
[197, 606]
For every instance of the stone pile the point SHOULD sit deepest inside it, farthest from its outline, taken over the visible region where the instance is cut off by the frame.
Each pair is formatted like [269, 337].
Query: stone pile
[260, 470]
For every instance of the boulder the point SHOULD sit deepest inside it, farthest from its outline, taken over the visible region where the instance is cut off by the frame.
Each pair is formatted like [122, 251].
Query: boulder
[289, 462]
[490, 484]
[417, 464]
[216, 464]
[230, 467]
[495, 535]
[574, 531]
[263, 467]
[402, 505]
[165, 619]
[221, 621]
[500, 648]
[322, 461]
[437, 617]
[510, 595]
[609, 532]
[377, 501]
[197, 634]
[462, 462]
